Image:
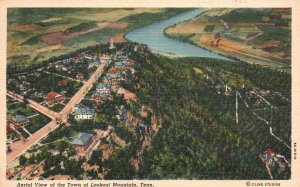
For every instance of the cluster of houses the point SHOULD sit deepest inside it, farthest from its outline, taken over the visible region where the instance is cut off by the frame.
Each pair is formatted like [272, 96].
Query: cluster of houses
[112, 79]
[270, 158]
[21, 83]
[13, 123]
[109, 83]
[264, 93]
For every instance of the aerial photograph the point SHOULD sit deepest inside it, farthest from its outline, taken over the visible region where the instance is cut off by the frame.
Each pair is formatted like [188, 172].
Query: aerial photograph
[148, 94]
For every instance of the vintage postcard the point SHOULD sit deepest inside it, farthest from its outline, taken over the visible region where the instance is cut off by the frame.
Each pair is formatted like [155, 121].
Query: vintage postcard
[137, 94]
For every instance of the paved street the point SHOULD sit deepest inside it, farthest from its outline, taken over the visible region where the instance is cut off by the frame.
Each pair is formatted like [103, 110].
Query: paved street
[20, 147]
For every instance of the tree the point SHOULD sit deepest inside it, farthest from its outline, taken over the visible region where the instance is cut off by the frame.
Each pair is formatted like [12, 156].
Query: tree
[96, 158]
[22, 160]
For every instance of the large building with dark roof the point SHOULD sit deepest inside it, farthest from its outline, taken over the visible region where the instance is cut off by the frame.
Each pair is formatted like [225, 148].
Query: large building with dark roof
[82, 142]
[18, 120]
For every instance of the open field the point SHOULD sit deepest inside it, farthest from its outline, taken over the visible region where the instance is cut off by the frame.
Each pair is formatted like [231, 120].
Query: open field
[252, 35]
[33, 33]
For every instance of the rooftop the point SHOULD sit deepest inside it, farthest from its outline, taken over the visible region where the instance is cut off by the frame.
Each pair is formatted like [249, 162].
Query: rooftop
[82, 139]
[19, 118]
[112, 75]
[85, 111]
[114, 70]
[103, 86]
[121, 63]
[52, 95]
[102, 95]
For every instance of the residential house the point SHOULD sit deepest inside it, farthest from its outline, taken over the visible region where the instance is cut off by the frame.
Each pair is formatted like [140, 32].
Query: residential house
[54, 98]
[77, 107]
[82, 142]
[18, 120]
[64, 82]
[103, 88]
[98, 97]
[84, 113]
[122, 57]
[112, 78]
[94, 64]
[80, 76]
[121, 64]
[114, 70]
[88, 57]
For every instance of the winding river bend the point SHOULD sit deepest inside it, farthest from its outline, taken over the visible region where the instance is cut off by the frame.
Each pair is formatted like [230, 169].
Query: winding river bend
[153, 36]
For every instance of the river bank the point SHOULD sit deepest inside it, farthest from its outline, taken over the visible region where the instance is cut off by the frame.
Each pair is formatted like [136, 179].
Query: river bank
[195, 31]
[153, 36]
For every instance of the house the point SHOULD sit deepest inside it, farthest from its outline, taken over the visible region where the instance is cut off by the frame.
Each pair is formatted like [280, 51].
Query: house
[82, 142]
[104, 58]
[18, 120]
[122, 57]
[54, 98]
[103, 88]
[89, 57]
[22, 88]
[77, 107]
[112, 78]
[80, 76]
[258, 101]
[98, 97]
[64, 68]
[83, 113]
[114, 70]
[64, 82]
[121, 64]
[94, 64]
[270, 157]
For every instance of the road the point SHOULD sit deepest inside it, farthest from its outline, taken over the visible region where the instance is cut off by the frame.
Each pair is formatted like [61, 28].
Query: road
[42, 109]
[20, 147]
[76, 99]
[58, 75]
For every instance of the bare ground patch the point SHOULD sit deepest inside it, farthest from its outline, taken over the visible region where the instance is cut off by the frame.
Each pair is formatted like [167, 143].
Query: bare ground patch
[59, 37]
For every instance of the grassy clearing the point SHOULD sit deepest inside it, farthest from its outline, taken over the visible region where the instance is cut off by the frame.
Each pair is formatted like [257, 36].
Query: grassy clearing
[57, 107]
[19, 108]
[37, 122]
[198, 70]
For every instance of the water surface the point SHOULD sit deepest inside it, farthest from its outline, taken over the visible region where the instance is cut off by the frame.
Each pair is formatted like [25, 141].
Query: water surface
[153, 36]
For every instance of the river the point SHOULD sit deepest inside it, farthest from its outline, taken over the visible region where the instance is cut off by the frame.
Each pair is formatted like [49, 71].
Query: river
[153, 36]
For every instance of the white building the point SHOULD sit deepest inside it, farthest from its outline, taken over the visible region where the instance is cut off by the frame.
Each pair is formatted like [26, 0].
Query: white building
[84, 113]
[111, 44]
[103, 88]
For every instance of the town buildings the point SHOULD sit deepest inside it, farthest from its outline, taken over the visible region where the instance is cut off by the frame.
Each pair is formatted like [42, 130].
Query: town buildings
[103, 88]
[18, 120]
[85, 113]
[82, 142]
[54, 98]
